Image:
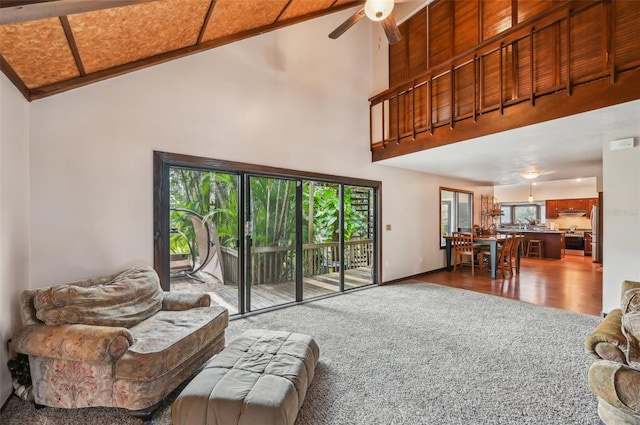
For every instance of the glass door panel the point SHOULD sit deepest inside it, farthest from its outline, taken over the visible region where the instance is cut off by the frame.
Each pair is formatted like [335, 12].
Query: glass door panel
[358, 236]
[271, 247]
[465, 211]
[203, 241]
[320, 238]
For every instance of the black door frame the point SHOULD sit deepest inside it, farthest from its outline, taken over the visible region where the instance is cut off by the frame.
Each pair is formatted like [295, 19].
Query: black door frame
[163, 161]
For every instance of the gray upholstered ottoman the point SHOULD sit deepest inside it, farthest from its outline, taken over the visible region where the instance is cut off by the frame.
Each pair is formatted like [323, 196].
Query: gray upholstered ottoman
[261, 378]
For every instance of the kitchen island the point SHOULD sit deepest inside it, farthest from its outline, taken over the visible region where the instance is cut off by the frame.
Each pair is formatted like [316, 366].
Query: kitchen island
[552, 241]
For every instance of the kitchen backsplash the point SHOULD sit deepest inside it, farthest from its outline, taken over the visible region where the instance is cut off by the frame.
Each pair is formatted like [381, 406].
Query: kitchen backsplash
[567, 222]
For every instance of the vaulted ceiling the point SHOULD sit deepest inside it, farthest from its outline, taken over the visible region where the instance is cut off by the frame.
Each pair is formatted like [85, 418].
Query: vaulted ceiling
[49, 55]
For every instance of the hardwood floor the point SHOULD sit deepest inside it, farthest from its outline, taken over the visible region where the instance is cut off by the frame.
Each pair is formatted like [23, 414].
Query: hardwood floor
[572, 283]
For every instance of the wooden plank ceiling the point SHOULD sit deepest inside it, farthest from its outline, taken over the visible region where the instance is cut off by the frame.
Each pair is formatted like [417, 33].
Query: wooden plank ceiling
[54, 54]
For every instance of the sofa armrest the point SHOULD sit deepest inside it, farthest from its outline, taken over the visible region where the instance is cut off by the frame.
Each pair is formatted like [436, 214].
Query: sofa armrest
[176, 301]
[617, 384]
[607, 341]
[84, 343]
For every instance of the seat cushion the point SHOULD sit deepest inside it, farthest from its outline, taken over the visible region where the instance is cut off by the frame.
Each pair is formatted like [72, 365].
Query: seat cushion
[124, 300]
[168, 338]
[260, 378]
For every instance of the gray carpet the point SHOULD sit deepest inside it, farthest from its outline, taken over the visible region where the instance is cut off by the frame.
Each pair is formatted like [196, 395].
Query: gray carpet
[417, 354]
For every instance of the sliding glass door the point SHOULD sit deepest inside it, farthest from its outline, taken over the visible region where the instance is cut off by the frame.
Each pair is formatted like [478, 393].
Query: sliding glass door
[270, 246]
[321, 236]
[456, 212]
[255, 237]
[203, 234]
[358, 236]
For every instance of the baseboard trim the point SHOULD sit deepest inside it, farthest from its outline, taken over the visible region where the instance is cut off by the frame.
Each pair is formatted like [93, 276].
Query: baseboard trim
[6, 402]
[415, 276]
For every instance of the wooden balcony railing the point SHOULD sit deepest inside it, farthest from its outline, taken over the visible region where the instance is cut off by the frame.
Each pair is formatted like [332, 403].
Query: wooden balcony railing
[274, 264]
[561, 50]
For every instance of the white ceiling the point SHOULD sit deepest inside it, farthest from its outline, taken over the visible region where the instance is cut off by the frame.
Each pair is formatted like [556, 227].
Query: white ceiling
[566, 148]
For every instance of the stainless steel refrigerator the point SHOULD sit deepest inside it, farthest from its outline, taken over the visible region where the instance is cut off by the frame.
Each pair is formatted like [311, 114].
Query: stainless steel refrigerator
[595, 237]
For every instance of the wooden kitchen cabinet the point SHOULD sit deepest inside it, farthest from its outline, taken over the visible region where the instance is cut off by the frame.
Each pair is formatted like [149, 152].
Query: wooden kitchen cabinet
[564, 204]
[588, 250]
[551, 209]
[578, 204]
[572, 204]
[555, 205]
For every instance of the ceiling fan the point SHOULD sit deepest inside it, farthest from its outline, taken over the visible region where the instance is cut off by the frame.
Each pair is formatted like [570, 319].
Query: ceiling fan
[377, 11]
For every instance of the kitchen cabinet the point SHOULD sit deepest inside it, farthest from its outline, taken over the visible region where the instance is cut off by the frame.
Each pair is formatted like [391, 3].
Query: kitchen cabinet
[572, 204]
[587, 243]
[551, 209]
[578, 204]
[555, 205]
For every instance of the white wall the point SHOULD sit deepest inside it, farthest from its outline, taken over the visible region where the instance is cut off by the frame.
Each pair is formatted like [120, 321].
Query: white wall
[621, 216]
[543, 190]
[14, 215]
[291, 98]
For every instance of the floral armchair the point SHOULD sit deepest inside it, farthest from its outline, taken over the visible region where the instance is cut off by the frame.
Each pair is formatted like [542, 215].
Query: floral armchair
[615, 376]
[116, 341]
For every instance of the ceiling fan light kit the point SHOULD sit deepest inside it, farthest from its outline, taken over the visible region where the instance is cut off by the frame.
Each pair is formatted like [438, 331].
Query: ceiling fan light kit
[378, 10]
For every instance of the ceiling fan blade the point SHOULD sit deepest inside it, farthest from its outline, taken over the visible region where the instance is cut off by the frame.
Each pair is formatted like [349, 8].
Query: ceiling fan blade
[347, 24]
[391, 29]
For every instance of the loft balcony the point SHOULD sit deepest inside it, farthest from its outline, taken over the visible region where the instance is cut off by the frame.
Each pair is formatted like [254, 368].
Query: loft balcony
[574, 57]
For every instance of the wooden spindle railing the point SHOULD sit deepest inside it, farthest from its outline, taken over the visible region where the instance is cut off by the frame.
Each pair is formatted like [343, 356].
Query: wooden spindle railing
[549, 41]
[272, 264]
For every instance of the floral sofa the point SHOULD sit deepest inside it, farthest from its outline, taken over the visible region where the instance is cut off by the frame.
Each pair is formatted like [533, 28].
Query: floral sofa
[615, 376]
[116, 341]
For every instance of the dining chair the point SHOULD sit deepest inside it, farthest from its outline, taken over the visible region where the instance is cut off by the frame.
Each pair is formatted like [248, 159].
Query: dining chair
[504, 255]
[517, 245]
[464, 251]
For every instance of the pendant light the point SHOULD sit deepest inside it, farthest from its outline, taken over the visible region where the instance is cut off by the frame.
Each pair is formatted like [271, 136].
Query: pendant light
[530, 193]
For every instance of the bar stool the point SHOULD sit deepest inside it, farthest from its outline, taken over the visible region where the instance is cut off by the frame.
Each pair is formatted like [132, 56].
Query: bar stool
[534, 247]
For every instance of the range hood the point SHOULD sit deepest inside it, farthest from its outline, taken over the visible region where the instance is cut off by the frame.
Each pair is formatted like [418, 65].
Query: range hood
[572, 213]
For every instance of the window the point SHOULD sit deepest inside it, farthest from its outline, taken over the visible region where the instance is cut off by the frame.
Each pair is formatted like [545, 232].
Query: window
[522, 213]
[506, 213]
[456, 212]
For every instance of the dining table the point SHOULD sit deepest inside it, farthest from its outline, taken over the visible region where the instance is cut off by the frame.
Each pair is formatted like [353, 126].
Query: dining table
[491, 241]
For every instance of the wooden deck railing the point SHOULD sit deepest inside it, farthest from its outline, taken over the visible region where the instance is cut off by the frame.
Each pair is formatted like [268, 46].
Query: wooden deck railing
[556, 52]
[230, 268]
[277, 263]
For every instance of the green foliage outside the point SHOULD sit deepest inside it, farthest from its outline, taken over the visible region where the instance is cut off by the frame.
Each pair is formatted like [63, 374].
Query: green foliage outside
[525, 213]
[212, 195]
[273, 211]
[215, 196]
[326, 217]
